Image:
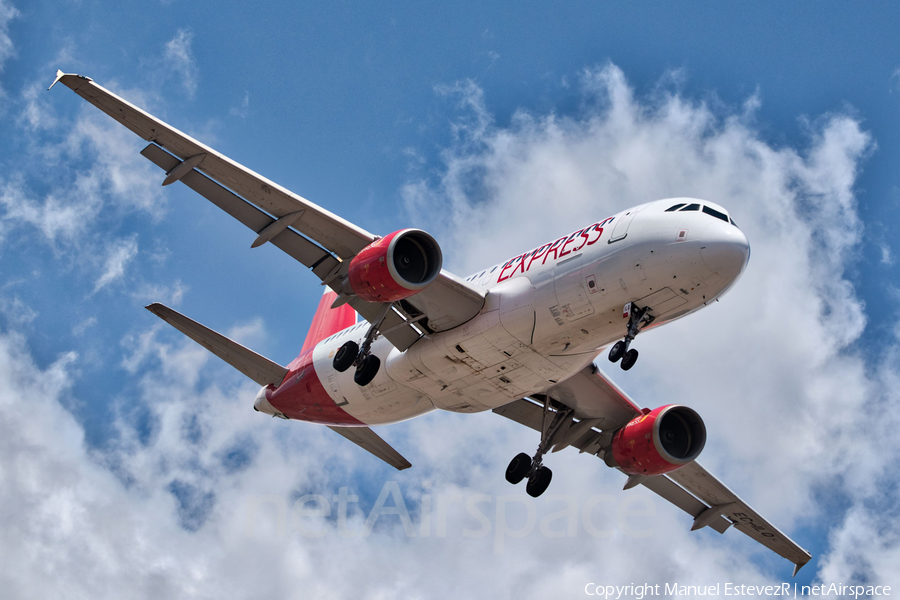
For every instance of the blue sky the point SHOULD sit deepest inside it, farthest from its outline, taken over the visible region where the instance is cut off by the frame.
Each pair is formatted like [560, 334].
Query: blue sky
[495, 128]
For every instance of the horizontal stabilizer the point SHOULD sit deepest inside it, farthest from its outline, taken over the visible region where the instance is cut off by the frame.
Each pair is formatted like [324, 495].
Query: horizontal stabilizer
[263, 371]
[258, 368]
[368, 440]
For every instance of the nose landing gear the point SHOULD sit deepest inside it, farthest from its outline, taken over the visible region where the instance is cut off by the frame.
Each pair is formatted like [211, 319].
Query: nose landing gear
[638, 318]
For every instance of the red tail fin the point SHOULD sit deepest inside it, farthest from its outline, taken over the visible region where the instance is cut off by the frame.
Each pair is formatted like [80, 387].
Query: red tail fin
[328, 321]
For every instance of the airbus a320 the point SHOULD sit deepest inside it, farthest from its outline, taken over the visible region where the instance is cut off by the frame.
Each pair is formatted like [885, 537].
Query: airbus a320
[517, 338]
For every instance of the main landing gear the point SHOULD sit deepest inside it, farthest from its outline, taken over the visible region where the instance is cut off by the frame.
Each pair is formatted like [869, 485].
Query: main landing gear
[523, 466]
[350, 354]
[638, 318]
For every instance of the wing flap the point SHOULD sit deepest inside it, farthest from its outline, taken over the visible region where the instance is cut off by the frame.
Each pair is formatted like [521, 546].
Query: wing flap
[293, 244]
[370, 441]
[671, 491]
[258, 368]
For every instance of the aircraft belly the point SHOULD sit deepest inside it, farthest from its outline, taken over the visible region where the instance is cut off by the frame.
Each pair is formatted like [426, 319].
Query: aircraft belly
[474, 368]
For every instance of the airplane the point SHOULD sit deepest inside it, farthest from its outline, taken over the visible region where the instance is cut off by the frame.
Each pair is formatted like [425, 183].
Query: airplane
[518, 338]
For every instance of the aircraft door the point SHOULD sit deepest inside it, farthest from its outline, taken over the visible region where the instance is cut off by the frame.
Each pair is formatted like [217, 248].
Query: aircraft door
[620, 230]
[517, 308]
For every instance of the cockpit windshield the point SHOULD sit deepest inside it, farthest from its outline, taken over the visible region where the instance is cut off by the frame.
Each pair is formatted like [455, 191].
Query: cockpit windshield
[683, 207]
[715, 213]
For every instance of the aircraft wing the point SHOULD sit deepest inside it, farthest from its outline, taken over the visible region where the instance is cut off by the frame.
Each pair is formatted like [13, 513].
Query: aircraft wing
[315, 237]
[691, 488]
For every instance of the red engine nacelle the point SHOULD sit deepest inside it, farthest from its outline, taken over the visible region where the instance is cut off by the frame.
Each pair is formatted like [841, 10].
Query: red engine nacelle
[395, 267]
[659, 441]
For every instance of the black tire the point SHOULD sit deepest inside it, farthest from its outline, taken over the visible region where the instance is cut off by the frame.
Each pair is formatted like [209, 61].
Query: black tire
[616, 352]
[629, 359]
[367, 370]
[344, 357]
[518, 468]
[539, 482]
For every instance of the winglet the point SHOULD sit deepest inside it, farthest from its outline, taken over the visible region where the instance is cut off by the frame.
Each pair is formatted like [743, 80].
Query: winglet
[634, 480]
[799, 565]
[59, 75]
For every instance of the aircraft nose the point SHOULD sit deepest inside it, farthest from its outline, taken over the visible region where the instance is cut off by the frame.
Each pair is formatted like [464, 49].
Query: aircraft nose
[725, 249]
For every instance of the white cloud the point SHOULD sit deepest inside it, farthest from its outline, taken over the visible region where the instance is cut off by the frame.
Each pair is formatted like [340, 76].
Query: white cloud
[8, 12]
[60, 215]
[36, 114]
[887, 257]
[773, 360]
[166, 511]
[156, 292]
[790, 408]
[83, 326]
[117, 168]
[120, 253]
[242, 109]
[111, 179]
[179, 58]
[17, 313]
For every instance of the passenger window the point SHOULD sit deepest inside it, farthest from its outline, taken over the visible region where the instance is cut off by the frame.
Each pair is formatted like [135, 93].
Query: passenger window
[690, 207]
[676, 207]
[715, 213]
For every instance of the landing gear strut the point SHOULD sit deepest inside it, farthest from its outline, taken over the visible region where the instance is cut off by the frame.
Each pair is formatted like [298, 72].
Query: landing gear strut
[350, 354]
[523, 466]
[638, 318]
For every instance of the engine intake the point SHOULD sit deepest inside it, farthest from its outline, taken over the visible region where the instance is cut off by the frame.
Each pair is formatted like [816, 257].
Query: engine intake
[659, 441]
[395, 267]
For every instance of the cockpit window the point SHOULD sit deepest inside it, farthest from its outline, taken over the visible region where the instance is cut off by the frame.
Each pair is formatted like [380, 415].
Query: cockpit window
[690, 207]
[733, 223]
[676, 207]
[715, 213]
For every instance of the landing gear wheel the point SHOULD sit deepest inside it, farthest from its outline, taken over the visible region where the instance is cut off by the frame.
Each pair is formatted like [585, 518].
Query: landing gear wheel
[367, 370]
[538, 482]
[629, 359]
[518, 468]
[344, 357]
[616, 352]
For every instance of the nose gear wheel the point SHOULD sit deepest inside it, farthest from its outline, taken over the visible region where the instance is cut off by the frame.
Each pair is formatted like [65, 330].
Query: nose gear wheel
[638, 318]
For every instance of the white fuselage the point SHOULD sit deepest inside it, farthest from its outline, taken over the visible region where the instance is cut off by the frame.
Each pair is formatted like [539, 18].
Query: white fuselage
[549, 313]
